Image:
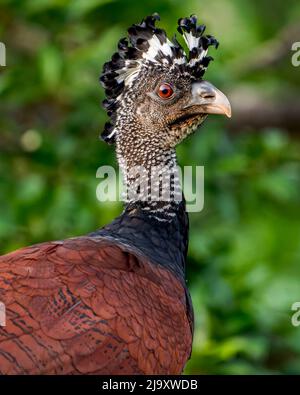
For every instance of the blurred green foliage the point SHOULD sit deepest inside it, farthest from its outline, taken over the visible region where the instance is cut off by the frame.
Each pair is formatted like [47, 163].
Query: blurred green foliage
[244, 256]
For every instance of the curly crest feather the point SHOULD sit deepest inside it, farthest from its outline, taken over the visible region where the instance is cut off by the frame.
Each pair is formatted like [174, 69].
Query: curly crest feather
[149, 46]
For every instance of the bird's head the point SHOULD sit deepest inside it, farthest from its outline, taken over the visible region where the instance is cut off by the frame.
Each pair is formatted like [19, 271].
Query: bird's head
[155, 89]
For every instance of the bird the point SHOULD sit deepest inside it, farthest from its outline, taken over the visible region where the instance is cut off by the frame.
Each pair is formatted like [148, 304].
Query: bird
[115, 301]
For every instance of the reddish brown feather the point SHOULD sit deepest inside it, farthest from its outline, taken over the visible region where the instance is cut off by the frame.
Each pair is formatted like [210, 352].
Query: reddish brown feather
[86, 306]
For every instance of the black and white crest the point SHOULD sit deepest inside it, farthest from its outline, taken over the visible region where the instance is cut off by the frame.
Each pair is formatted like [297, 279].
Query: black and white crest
[149, 46]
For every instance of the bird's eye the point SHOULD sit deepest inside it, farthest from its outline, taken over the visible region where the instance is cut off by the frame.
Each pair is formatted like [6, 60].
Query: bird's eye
[165, 91]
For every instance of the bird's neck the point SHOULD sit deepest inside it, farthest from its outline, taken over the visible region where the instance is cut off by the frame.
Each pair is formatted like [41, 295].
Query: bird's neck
[151, 178]
[157, 228]
[162, 241]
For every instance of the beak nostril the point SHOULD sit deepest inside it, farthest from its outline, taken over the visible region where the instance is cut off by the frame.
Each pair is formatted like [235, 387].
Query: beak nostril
[206, 92]
[208, 95]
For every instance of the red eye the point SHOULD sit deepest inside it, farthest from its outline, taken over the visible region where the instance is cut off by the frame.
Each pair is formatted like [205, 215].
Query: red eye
[165, 91]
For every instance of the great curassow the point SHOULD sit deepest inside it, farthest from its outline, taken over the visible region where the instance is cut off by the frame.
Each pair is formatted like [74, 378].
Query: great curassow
[115, 301]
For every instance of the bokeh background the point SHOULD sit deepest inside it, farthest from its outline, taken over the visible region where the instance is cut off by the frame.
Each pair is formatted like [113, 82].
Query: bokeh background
[244, 256]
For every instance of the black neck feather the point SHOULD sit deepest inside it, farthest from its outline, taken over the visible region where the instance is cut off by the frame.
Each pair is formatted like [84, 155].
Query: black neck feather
[164, 241]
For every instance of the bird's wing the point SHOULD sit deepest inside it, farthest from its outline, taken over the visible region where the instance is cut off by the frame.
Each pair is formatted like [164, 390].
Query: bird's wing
[87, 306]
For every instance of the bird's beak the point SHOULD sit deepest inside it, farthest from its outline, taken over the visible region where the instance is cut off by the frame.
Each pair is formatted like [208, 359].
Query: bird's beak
[209, 100]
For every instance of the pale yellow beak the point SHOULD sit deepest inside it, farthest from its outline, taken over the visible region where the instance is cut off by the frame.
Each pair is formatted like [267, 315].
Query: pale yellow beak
[209, 99]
